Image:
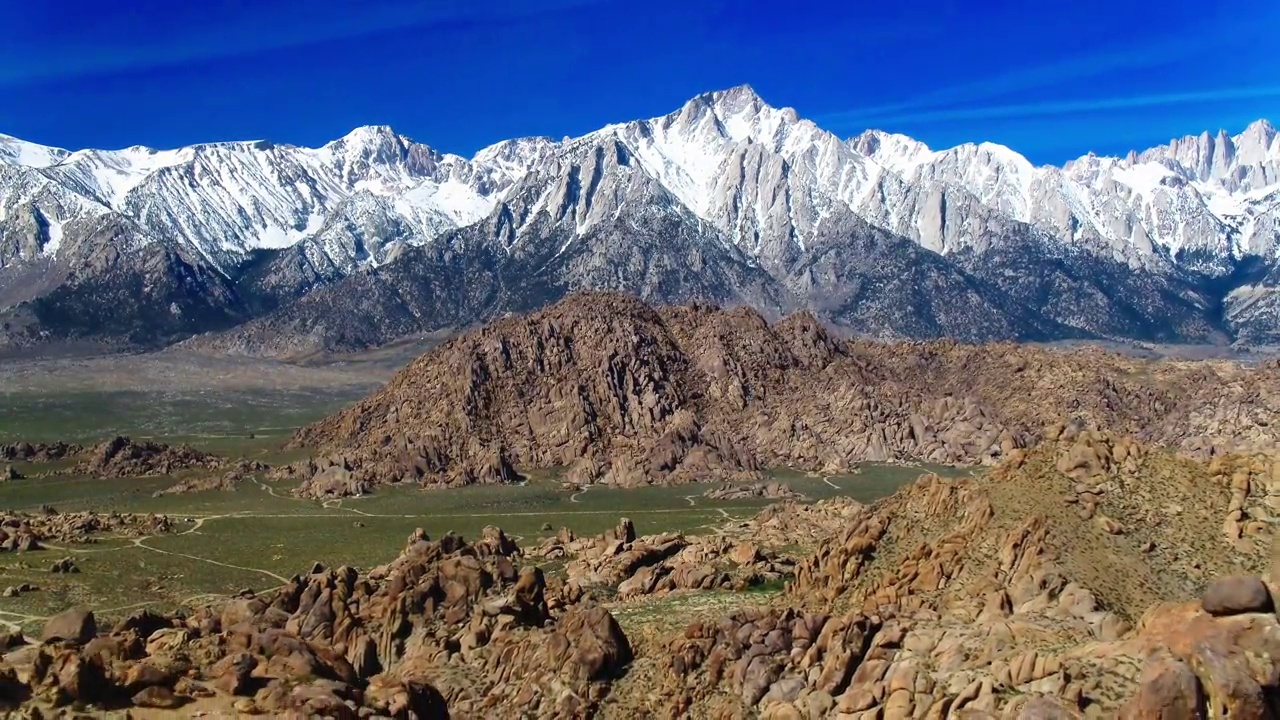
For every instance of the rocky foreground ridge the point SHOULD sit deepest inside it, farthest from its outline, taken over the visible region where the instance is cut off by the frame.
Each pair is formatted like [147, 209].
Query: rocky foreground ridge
[622, 393]
[1087, 576]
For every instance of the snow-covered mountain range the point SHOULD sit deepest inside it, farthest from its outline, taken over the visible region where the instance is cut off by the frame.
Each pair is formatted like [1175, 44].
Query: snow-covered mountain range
[254, 226]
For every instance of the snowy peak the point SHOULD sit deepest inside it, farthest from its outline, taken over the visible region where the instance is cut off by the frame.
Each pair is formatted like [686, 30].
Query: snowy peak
[739, 101]
[1259, 143]
[733, 97]
[1205, 156]
[875, 229]
[518, 155]
[379, 151]
[221, 201]
[371, 135]
[747, 118]
[1246, 161]
[744, 117]
[20, 152]
[890, 150]
[110, 175]
[378, 143]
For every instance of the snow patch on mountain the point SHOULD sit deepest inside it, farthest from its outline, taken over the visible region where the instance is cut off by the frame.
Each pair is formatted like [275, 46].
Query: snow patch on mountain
[14, 151]
[112, 174]
[1145, 178]
[460, 202]
[51, 246]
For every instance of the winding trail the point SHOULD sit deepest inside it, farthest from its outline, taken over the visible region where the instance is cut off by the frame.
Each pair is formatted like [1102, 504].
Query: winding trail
[574, 497]
[272, 491]
[83, 551]
[689, 499]
[827, 480]
[15, 627]
[133, 542]
[200, 521]
[375, 515]
[134, 606]
[140, 542]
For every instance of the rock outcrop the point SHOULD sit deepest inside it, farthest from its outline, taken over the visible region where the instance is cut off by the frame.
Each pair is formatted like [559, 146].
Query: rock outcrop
[1087, 573]
[655, 565]
[992, 596]
[326, 479]
[38, 452]
[124, 457]
[228, 481]
[744, 491]
[25, 531]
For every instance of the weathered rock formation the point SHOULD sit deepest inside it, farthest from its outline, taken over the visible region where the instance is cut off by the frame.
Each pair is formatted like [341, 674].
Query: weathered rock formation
[325, 479]
[123, 457]
[25, 531]
[228, 481]
[38, 452]
[1086, 574]
[996, 596]
[659, 564]
[745, 491]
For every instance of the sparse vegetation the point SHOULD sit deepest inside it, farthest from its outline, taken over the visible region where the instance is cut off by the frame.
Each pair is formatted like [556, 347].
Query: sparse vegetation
[258, 535]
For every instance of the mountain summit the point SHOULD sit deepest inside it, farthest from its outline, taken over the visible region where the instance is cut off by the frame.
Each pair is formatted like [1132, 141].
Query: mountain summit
[727, 198]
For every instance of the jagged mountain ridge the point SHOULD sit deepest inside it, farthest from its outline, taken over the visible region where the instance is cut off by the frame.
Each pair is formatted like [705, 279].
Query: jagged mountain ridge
[714, 154]
[771, 190]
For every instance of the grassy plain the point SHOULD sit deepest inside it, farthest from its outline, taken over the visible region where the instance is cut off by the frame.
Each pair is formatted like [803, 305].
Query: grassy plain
[259, 535]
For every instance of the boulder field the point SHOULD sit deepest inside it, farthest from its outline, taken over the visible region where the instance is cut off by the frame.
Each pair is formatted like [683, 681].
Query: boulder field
[1088, 576]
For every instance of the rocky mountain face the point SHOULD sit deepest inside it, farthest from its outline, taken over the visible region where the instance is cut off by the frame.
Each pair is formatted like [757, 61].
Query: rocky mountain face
[618, 392]
[726, 199]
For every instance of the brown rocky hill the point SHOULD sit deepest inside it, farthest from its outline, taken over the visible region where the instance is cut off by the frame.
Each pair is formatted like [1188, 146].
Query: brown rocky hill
[123, 457]
[619, 392]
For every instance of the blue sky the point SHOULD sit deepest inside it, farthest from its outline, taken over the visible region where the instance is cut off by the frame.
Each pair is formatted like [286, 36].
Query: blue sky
[1051, 80]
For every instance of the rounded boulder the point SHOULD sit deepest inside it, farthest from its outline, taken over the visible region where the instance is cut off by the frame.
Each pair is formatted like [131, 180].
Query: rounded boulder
[1236, 595]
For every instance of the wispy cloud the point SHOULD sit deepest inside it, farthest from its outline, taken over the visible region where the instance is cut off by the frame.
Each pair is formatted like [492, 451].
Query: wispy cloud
[1045, 75]
[262, 27]
[956, 101]
[1082, 106]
